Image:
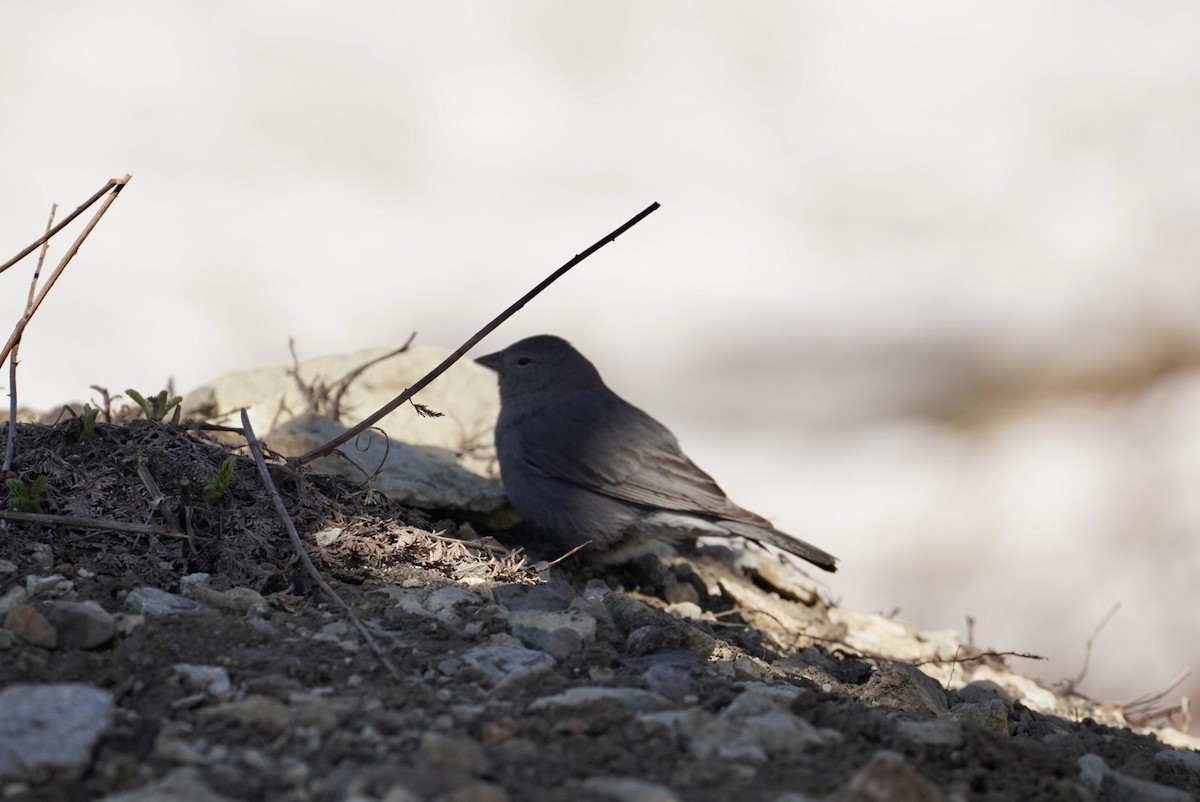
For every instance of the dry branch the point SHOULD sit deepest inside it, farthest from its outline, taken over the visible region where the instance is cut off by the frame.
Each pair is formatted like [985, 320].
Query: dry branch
[425, 380]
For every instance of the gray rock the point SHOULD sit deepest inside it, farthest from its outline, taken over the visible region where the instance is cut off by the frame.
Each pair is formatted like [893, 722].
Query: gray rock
[629, 789]
[885, 778]
[754, 729]
[50, 586]
[80, 625]
[7, 567]
[1189, 760]
[669, 681]
[420, 476]
[50, 728]
[932, 732]
[1113, 786]
[156, 602]
[553, 632]
[586, 696]
[453, 753]
[181, 784]
[505, 662]
[210, 679]
[551, 596]
[13, 598]
[902, 686]
[991, 716]
[443, 598]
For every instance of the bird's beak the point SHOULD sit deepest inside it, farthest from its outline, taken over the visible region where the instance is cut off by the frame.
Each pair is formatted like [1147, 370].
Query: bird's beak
[493, 361]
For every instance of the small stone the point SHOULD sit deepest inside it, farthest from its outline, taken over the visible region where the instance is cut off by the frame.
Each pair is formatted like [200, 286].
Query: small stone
[7, 567]
[548, 597]
[629, 789]
[586, 696]
[991, 716]
[1108, 783]
[754, 729]
[237, 600]
[157, 602]
[28, 624]
[888, 777]
[670, 682]
[42, 556]
[13, 598]
[51, 727]
[450, 597]
[505, 662]
[265, 715]
[212, 680]
[932, 732]
[80, 625]
[902, 686]
[453, 753]
[51, 586]
[184, 783]
[561, 633]
[475, 792]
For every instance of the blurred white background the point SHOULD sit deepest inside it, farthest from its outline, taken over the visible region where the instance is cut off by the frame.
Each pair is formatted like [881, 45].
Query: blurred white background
[923, 289]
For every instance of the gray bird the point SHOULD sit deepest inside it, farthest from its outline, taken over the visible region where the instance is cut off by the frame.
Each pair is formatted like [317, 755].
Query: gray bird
[580, 463]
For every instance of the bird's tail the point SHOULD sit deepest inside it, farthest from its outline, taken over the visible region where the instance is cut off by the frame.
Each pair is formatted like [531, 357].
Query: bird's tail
[784, 541]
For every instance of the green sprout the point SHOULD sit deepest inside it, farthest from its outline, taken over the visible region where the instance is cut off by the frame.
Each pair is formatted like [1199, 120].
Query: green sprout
[157, 407]
[215, 490]
[87, 420]
[26, 497]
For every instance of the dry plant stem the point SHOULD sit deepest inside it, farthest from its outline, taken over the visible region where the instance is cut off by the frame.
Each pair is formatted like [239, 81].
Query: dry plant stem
[62, 265]
[88, 523]
[277, 501]
[10, 447]
[112, 182]
[425, 380]
[1074, 683]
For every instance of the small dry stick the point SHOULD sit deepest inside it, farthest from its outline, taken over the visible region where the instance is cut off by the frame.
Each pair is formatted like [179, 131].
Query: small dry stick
[112, 182]
[575, 550]
[117, 186]
[10, 448]
[88, 523]
[257, 452]
[1073, 684]
[424, 381]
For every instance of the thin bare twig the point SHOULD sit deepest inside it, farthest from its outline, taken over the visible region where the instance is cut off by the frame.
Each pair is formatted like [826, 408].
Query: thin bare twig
[424, 381]
[112, 182]
[117, 186]
[11, 446]
[277, 500]
[88, 523]
[1071, 685]
[573, 551]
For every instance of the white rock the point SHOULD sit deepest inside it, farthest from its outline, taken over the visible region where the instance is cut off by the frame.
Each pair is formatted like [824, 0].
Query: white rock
[51, 726]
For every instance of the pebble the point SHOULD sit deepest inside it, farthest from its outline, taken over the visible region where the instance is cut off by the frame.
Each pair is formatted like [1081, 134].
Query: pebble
[902, 686]
[13, 598]
[213, 680]
[991, 716]
[586, 696]
[7, 567]
[629, 789]
[51, 727]
[453, 753]
[157, 602]
[549, 597]
[28, 624]
[754, 729]
[237, 600]
[504, 662]
[80, 625]
[50, 586]
[184, 783]
[888, 777]
[1108, 783]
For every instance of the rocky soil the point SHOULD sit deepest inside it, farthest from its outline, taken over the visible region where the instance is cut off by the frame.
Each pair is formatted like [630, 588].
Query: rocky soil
[160, 644]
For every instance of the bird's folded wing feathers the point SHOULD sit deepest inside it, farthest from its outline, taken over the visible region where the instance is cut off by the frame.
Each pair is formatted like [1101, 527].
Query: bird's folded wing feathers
[587, 448]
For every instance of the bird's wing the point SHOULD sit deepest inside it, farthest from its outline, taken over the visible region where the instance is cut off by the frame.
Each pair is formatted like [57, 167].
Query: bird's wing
[600, 442]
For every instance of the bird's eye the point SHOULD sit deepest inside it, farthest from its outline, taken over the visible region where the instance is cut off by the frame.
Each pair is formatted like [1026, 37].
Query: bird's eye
[523, 361]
